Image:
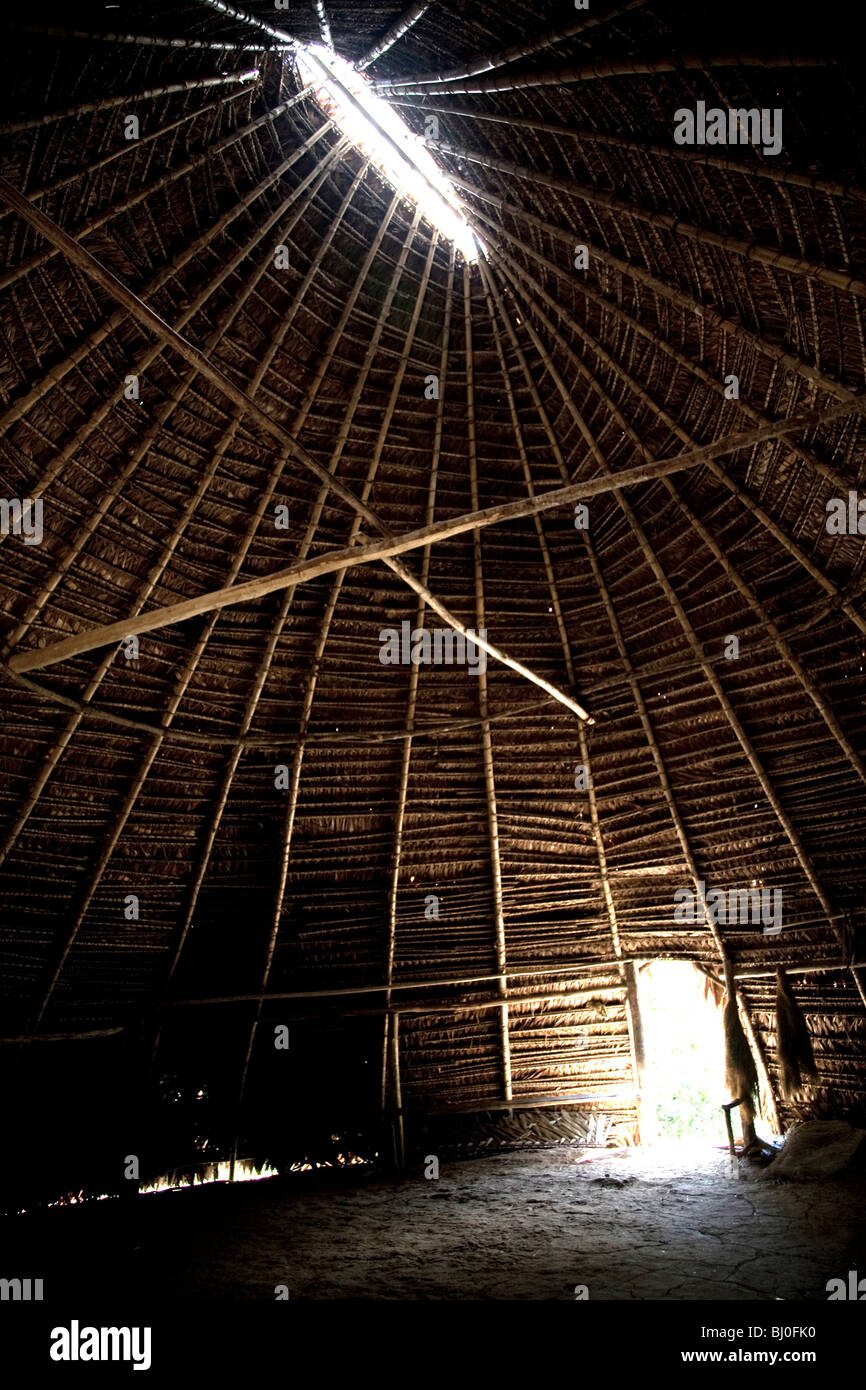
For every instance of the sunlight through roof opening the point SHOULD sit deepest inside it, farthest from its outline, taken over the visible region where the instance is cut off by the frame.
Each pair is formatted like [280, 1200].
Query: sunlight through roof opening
[379, 132]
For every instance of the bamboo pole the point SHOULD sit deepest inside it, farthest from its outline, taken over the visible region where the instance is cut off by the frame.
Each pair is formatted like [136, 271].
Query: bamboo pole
[145, 40]
[587, 72]
[500, 58]
[486, 741]
[190, 167]
[144, 314]
[62, 1037]
[363, 554]
[277, 628]
[402, 24]
[649, 554]
[264, 666]
[251, 21]
[524, 1103]
[327, 617]
[662, 221]
[324, 26]
[679, 154]
[636, 273]
[226, 319]
[398, 1093]
[85, 108]
[561, 970]
[783, 648]
[415, 671]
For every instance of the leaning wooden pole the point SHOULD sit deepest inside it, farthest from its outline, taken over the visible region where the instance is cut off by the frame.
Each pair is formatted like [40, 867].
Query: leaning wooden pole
[649, 732]
[689, 633]
[501, 57]
[385, 549]
[402, 24]
[143, 313]
[327, 617]
[486, 739]
[695, 524]
[729, 328]
[415, 671]
[587, 72]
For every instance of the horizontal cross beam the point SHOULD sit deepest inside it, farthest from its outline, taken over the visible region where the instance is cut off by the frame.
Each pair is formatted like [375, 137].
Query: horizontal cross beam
[333, 560]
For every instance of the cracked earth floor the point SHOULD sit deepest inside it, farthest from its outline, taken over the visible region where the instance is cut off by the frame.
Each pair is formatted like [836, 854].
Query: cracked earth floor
[526, 1226]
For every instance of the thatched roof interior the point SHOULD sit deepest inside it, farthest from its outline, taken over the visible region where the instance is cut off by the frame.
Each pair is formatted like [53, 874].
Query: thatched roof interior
[155, 777]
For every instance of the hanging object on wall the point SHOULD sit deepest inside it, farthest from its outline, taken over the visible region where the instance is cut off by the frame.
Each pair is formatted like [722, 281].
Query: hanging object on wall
[793, 1044]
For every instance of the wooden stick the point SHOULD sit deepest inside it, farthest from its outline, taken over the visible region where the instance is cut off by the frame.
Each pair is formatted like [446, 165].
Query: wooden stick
[727, 1108]
[148, 40]
[62, 1037]
[676, 226]
[254, 696]
[640, 276]
[486, 742]
[130, 99]
[401, 25]
[558, 77]
[501, 57]
[524, 1103]
[152, 320]
[251, 22]
[415, 672]
[375, 550]
[566, 970]
[689, 155]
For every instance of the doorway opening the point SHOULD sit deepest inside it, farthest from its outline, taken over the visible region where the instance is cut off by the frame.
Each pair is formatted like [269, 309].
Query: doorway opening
[683, 1085]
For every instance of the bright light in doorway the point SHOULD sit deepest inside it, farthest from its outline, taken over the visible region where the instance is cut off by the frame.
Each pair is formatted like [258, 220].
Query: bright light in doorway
[379, 132]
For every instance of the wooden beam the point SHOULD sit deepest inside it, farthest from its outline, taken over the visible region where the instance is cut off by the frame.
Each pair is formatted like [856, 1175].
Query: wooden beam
[415, 673]
[486, 740]
[500, 58]
[624, 1094]
[304, 571]
[251, 22]
[565, 970]
[629, 67]
[324, 26]
[663, 221]
[400, 26]
[288, 823]
[62, 1037]
[154, 323]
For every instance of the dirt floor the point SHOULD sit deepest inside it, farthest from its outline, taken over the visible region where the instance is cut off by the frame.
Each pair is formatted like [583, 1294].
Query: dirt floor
[636, 1225]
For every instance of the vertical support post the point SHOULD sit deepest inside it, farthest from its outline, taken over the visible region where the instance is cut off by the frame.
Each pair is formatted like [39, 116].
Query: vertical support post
[399, 1134]
[646, 1124]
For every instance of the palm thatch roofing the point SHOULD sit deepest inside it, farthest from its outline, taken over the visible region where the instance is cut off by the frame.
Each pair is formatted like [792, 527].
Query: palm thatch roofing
[430, 878]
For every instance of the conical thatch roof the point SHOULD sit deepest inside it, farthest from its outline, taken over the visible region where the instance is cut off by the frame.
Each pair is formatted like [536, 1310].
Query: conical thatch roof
[429, 825]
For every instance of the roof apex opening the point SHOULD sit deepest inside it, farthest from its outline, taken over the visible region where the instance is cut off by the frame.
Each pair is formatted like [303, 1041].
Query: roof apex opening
[380, 133]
